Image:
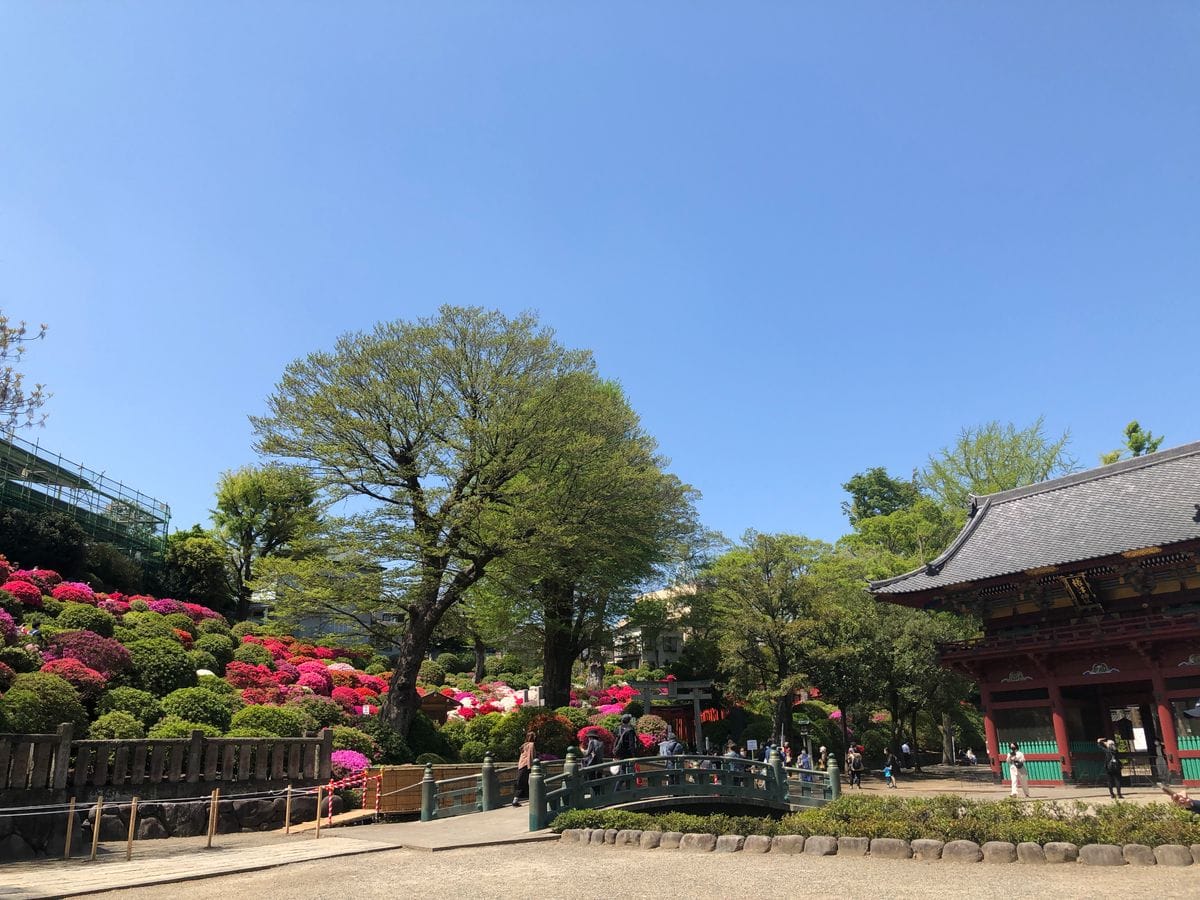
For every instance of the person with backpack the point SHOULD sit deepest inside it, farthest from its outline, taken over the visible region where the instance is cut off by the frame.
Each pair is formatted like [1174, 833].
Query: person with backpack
[1112, 767]
[624, 748]
[890, 764]
[854, 765]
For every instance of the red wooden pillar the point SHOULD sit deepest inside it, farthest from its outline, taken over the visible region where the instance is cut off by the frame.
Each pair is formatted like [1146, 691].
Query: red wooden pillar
[989, 730]
[1060, 729]
[1166, 722]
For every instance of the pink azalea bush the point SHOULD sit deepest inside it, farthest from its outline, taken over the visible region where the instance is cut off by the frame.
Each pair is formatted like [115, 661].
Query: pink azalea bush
[87, 681]
[74, 592]
[105, 655]
[8, 629]
[25, 592]
[347, 762]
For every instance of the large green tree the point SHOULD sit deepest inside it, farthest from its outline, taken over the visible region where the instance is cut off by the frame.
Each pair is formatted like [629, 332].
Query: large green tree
[904, 539]
[995, 457]
[196, 567]
[262, 511]
[434, 428]
[771, 595]
[876, 493]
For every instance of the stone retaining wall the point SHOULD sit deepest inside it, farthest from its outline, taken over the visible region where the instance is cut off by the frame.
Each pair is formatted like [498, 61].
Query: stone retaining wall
[892, 848]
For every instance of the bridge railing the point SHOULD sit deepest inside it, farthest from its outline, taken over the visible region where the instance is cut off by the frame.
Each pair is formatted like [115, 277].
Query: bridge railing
[493, 786]
[616, 782]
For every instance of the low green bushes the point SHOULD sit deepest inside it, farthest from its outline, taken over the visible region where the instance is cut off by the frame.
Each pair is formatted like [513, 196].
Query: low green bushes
[945, 818]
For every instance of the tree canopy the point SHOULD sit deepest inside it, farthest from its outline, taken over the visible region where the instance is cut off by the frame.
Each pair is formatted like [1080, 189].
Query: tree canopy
[876, 493]
[19, 405]
[1137, 443]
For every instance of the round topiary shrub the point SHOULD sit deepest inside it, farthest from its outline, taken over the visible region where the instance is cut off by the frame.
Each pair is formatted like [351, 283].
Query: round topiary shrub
[20, 660]
[395, 749]
[142, 705]
[105, 655]
[203, 661]
[25, 593]
[347, 738]
[281, 721]
[160, 666]
[140, 626]
[249, 733]
[472, 752]
[116, 726]
[6, 677]
[219, 646]
[174, 727]
[456, 663]
[241, 629]
[181, 622]
[653, 725]
[38, 702]
[73, 592]
[432, 673]
[197, 704]
[82, 617]
[213, 626]
[254, 655]
[88, 683]
[324, 711]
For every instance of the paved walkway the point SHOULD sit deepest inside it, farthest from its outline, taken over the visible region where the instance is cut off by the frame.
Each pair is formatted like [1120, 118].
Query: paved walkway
[184, 859]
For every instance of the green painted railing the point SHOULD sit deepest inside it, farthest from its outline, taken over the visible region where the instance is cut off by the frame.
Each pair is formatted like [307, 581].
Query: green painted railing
[1190, 742]
[1049, 748]
[1191, 768]
[1038, 770]
[616, 783]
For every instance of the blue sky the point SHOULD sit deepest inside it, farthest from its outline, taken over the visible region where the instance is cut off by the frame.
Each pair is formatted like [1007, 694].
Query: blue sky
[806, 238]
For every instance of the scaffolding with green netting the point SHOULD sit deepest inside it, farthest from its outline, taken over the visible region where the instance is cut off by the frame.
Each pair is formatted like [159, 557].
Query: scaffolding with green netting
[35, 479]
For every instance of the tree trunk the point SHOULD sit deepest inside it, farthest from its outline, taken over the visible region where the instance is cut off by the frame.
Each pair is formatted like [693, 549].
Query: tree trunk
[557, 660]
[560, 648]
[947, 740]
[480, 658]
[781, 721]
[916, 745]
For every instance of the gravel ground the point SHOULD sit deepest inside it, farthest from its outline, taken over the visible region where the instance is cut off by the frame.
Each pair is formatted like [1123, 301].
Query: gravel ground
[552, 871]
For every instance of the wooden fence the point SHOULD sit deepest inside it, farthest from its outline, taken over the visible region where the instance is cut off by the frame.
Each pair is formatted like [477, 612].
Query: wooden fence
[56, 763]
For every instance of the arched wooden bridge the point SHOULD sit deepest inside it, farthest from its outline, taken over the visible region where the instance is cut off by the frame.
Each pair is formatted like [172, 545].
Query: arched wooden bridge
[643, 783]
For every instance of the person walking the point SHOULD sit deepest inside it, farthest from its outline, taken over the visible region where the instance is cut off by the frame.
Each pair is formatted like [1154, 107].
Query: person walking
[524, 764]
[822, 758]
[1112, 767]
[1016, 769]
[890, 764]
[625, 749]
[854, 765]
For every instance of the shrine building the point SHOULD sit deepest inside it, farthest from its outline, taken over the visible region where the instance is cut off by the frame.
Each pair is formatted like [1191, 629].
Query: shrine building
[1088, 588]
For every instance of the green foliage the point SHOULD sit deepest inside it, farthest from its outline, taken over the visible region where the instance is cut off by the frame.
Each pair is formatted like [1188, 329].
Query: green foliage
[876, 493]
[142, 705]
[19, 659]
[203, 660]
[137, 626]
[1137, 443]
[577, 716]
[194, 568]
[424, 737]
[215, 626]
[181, 622]
[347, 738]
[81, 616]
[38, 702]
[218, 646]
[117, 726]
[246, 732]
[160, 666]
[44, 538]
[995, 457]
[255, 655]
[432, 672]
[324, 711]
[111, 570]
[456, 663]
[945, 818]
[395, 749]
[653, 725]
[426, 758]
[473, 752]
[174, 727]
[198, 704]
[900, 541]
[241, 629]
[281, 721]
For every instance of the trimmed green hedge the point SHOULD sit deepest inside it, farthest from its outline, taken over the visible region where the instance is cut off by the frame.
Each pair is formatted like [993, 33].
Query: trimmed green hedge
[946, 818]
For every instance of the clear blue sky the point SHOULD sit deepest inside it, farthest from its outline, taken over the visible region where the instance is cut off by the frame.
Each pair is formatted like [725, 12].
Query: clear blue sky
[806, 238]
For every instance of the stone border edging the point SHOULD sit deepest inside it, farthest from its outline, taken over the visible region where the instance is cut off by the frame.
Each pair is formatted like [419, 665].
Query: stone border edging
[1027, 852]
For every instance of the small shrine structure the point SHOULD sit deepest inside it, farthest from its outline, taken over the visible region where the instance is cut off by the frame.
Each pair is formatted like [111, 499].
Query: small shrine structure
[1088, 588]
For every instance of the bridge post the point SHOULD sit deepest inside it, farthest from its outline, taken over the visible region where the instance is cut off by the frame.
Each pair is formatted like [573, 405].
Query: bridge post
[781, 783]
[537, 798]
[571, 777]
[487, 791]
[428, 794]
[835, 779]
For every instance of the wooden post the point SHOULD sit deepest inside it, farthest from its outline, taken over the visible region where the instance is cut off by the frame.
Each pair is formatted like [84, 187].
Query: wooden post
[324, 765]
[62, 756]
[195, 757]
[96, 825]
[488, 798]
[780, 777]
[213, 805]
[317, 829]
[537, 798]
[287, 811]
[70, 829]
[428, 794]
[132, 827]
[835, 779]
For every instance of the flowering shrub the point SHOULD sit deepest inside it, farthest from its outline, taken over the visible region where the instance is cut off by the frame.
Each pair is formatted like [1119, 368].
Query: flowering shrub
[106, 656]
[43, 579]
[6, 568]
[8, 628]
[6, 677]
[260, 696]
[166, 606]
[347, 738]
[245, 675]
[25, 592]
[116, 607]
[74, 592]
[655, 727]
[347, 762]
[87, 681]
[346, 697]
